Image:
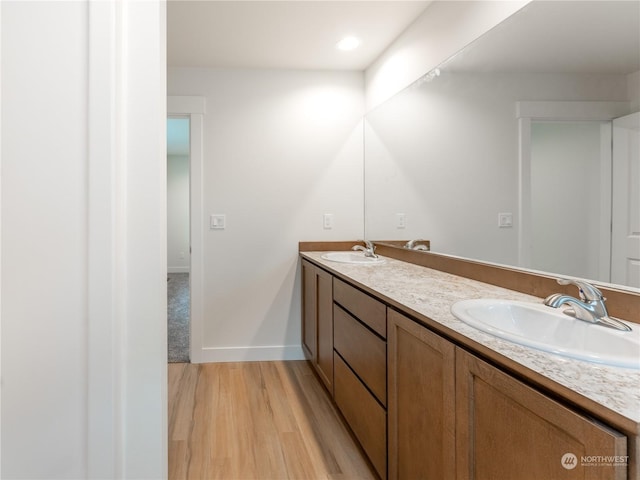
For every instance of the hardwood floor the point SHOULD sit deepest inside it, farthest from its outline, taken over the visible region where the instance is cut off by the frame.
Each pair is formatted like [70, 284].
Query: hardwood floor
[256, 420]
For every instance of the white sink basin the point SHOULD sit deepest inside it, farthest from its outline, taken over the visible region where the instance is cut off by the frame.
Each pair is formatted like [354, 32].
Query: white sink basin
[352, 257]
[546, 328]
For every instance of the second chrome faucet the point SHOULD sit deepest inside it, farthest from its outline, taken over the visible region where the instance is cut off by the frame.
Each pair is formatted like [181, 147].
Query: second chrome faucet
[369, 249]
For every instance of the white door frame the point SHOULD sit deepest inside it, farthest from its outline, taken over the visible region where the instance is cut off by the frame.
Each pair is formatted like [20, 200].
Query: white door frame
[526, 113]
[127, 257]
[194, 108]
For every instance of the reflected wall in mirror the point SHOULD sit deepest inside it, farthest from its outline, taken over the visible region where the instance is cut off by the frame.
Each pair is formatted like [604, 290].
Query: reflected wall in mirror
[520, 123]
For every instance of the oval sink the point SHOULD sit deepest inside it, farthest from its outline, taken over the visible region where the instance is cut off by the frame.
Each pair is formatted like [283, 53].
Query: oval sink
[546, 328]
[352, 257]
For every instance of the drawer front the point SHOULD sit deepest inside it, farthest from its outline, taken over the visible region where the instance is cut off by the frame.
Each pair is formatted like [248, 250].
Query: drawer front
[363, 350]
[363, 413]
[365, 308]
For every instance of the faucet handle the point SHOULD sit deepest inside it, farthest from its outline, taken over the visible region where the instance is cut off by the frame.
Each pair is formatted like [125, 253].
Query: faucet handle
[588, 292]
[368, 244]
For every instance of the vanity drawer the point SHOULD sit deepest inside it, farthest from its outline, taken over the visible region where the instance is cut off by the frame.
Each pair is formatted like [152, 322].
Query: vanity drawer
[366, 417]
[363, 350]
[365, 308]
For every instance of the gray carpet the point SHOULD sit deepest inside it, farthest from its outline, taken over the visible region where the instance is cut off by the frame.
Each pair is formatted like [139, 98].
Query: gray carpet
[178, 317]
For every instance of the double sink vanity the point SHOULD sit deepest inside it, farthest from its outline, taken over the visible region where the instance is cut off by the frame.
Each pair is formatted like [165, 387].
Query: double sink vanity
[433, 394]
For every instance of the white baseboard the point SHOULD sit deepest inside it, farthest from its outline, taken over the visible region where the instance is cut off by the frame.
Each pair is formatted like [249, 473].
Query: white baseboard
[177, 269]
[250, 354]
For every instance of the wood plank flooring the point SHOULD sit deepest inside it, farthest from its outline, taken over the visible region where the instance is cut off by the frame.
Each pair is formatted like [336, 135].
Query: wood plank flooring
[257, 420]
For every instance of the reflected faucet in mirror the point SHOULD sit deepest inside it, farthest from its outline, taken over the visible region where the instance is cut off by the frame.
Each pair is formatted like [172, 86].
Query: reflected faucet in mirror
[589, 308]
[414, 245]
[369, 249]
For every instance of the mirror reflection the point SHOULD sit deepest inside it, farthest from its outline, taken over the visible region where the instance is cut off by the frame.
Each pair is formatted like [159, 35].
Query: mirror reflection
[504, 153]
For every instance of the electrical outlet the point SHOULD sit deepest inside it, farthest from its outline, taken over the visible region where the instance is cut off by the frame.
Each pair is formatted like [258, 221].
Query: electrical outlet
[401, 220]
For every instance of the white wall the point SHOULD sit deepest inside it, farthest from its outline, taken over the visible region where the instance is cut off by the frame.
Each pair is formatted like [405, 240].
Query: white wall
[443, 29]
[44, 241]
[633, 82]
[177, 213]
[281, 148]
[83, 273]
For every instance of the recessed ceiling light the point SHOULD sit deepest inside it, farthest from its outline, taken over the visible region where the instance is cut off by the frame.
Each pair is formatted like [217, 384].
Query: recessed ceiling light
[348, 43]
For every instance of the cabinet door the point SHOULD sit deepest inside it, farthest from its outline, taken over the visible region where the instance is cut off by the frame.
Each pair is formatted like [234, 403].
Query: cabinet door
[324, 318]
[421, 402]
[507, 430]
[309, 315]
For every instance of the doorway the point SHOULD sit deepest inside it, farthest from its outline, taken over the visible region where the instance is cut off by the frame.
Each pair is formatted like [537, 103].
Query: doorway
[570, 185]
[193, 109]
[565, 158]
[625, 228]
[178, 240]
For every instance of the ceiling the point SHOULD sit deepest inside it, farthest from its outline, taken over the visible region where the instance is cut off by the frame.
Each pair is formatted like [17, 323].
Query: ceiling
[294, 34]
[584, 37]
[560, 37]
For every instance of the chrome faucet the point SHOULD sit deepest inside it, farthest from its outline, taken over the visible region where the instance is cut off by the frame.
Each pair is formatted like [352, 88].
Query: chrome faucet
[589, 308]
[369, 249]
[411, 245]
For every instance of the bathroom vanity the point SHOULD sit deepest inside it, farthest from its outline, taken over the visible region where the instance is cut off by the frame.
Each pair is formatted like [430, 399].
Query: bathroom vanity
[428, 396]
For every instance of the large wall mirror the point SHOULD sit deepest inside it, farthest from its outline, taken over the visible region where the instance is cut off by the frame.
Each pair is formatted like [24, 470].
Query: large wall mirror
[504, 153]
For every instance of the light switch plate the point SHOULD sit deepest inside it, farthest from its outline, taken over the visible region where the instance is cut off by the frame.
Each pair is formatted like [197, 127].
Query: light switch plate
[218, 221]
[327, 221]
[505, 220]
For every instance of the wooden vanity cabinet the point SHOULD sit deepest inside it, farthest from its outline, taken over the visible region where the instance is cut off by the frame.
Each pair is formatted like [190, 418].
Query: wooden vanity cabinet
[506, 429]
[317, 320]
[421, 406]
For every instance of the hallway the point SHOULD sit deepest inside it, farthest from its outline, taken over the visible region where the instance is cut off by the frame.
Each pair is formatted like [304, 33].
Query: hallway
[178, 315]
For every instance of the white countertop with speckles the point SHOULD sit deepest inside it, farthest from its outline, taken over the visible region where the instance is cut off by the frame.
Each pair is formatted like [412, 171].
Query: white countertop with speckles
[431, 293]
